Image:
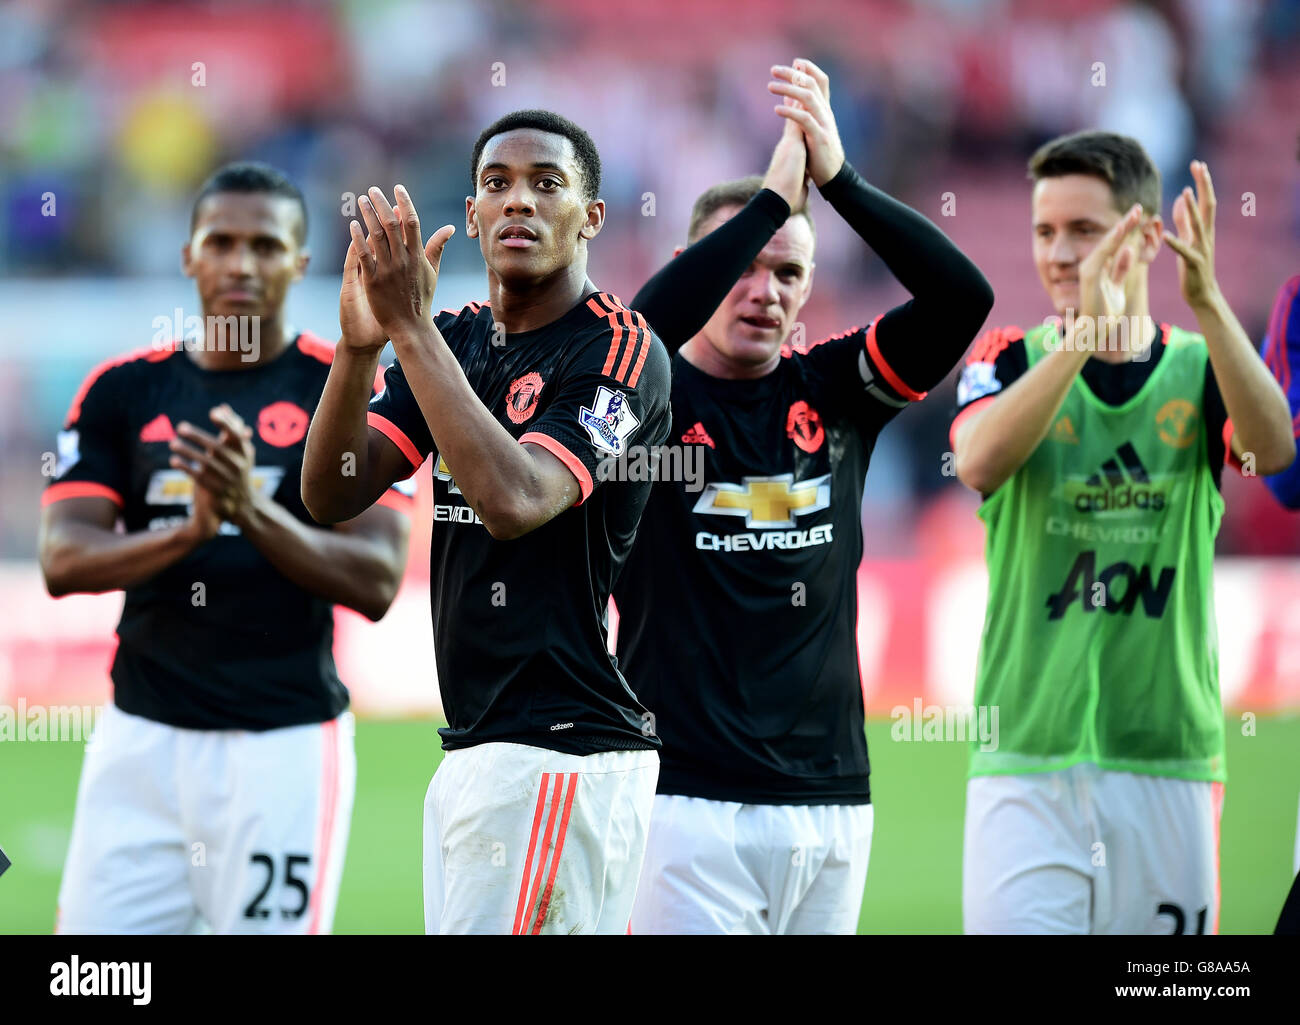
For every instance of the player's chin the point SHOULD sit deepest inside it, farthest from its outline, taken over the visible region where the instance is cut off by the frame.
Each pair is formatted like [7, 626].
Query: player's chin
[225, 307]
[749, 346]
[1065, 297]
[526, 264]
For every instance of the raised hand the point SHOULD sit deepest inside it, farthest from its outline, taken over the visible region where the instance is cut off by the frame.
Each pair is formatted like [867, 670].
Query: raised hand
[398, 274]
[1102, 271]
[787, 174]
[810, 86]
[1194, 244]
[362, 333]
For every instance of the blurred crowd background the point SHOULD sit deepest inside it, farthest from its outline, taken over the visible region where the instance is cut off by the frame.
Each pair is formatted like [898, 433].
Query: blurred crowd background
[119, 110]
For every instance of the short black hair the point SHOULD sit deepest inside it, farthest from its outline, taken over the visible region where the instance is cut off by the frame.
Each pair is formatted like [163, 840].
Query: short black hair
[251, 176]
[733, 193]
[545, 121]
[1118, 160]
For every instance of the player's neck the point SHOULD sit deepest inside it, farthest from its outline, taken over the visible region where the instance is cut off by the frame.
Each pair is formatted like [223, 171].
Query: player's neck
[1132, 340]
[528, 305]
[705, 357]
[243, 345]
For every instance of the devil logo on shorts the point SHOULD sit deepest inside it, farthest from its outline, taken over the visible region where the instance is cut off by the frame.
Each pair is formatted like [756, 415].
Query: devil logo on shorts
[521, 400]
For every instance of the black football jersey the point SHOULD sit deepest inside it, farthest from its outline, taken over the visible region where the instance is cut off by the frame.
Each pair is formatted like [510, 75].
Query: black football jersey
[220, 639]
[520, 626]
[738, 606]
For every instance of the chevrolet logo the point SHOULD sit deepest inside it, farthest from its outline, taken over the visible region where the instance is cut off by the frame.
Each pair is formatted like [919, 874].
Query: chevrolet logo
[767, 501]
[443, 472]
[176, 487]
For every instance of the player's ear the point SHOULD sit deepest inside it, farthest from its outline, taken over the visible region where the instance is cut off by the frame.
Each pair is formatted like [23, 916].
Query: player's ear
[595, 220]
[187, 261]
[807, 285]
[471, 225]
[1152, 236]
[300, 263]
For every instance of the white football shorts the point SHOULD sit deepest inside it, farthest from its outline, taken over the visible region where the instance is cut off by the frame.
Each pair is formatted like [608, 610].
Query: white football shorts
[525, 840]
[720, 867]
[225, 831]
[1085, 850]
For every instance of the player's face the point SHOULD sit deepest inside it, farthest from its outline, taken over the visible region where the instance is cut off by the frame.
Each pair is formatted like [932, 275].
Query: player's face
[528, 210]
[759, 312]
[1071, 214]
[244, 253]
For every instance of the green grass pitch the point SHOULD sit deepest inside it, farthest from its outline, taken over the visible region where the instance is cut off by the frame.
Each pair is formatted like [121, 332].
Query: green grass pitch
[913, 886]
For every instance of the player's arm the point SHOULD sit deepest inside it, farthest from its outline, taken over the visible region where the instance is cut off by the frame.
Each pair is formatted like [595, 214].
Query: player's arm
[679, 300]
[1256, 404]
[79, 549]
[992, 443]
[1282, 357]
[359, 563]
[914, 345]
[346, 464]
[81, 553]
[514, 488]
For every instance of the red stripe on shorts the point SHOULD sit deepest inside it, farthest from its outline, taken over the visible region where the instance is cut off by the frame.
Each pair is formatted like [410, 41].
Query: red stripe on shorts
[329, 799]
[571, 779]
[528, 861]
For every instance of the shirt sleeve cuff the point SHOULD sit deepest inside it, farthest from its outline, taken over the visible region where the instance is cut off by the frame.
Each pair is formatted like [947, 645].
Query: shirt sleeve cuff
[397, 436]
[572, 462]
[886, 371]
[845, 179]
[964, 415]
[771, 205]
[80, 489]
[1229, 459]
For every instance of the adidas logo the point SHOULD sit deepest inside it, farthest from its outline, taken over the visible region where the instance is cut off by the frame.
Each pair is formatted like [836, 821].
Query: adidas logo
[1063, 430]
[697, 435]
[158, 429]
[1121, 483]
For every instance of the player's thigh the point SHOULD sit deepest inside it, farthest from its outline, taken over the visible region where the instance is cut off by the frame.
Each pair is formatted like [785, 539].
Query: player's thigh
[624, 782]
[273, 818]
[126, 869]
[1026, 860]
[432, 867]
[535, 841]
[822, 877]
[1162, 854]
[693, 880]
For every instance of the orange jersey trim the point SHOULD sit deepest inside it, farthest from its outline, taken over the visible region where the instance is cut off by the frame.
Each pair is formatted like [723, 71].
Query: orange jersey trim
[153, 355]
[988, 345]
[886, 371]
[561, 453]
[316, 348]
[1229, 457]
[961, 417]
[80, 489]
[395, 434]
[623, 321]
